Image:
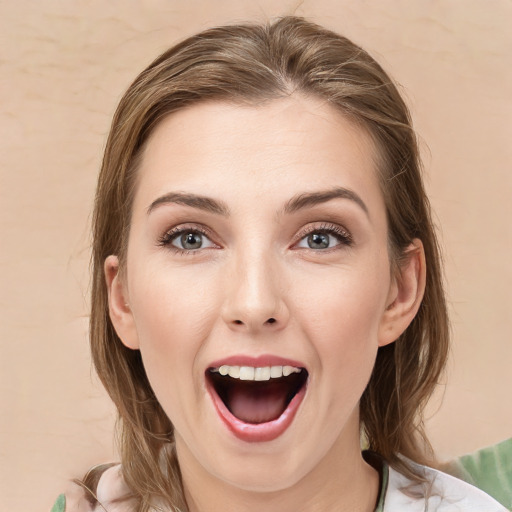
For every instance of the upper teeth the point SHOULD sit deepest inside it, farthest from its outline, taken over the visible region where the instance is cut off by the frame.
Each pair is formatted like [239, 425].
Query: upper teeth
[256, 373]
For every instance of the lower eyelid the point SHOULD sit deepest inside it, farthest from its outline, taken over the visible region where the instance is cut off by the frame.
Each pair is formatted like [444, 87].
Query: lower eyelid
[339, 241]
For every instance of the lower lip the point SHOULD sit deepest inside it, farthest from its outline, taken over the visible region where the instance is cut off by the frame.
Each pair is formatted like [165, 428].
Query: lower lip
[258, 432]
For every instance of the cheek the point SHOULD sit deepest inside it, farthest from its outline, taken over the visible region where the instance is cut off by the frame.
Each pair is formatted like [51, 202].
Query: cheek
[344, 303]
[341, 316]
[173, 317]
[171, 306]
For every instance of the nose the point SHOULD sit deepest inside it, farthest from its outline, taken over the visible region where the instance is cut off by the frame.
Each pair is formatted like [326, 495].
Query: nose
[254, 300]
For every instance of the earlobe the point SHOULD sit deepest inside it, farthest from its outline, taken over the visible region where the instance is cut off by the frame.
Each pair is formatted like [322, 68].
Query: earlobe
[406, 294]
[119, 308]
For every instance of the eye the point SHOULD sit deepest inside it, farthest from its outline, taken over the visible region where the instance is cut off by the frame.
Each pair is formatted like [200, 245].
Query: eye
[186, 240]
[325, 237]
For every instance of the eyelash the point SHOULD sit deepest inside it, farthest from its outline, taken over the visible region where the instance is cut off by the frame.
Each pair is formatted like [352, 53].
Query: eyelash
[343, 236]
[169, 236]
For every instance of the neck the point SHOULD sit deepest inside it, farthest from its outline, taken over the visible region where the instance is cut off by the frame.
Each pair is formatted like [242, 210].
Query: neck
[341, 482]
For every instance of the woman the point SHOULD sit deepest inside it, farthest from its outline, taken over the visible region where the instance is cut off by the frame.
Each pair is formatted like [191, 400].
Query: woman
[267, 284]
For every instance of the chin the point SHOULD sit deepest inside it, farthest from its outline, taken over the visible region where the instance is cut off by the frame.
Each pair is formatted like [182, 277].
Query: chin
[263, 477]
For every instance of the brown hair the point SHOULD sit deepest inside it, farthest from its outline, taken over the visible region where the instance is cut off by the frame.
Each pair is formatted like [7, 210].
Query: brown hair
[252, 64]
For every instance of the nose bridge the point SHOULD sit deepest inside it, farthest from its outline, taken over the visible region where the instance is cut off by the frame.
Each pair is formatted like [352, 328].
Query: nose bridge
[255, 300]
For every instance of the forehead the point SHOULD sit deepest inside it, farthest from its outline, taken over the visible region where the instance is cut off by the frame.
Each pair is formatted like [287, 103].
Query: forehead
[292, 144]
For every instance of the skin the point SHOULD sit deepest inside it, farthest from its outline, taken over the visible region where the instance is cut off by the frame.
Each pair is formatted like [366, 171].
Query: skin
[332, 308]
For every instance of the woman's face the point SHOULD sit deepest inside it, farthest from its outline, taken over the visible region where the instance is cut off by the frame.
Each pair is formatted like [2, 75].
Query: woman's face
[258, 245]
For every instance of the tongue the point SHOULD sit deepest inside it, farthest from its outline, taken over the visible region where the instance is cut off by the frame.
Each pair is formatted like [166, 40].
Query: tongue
[253, 404]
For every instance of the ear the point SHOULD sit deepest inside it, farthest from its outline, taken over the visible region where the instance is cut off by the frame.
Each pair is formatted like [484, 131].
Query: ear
[118, 304]
[405, 294]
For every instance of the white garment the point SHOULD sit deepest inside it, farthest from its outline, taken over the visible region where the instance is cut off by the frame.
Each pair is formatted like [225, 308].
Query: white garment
[441, 493]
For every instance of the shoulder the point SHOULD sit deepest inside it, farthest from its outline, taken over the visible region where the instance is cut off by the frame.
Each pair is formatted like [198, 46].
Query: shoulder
[73, 500]
[109, 491]
[440, 492]
[113, 491]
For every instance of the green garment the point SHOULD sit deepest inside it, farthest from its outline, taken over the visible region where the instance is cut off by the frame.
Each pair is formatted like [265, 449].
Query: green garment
[489, 469]
[60, 504]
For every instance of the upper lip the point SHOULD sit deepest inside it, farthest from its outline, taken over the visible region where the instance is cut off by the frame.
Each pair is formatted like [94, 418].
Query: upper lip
[256, 361]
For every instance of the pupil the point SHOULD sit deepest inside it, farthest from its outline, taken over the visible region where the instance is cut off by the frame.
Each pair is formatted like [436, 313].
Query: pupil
[191, 240]
[318, 241]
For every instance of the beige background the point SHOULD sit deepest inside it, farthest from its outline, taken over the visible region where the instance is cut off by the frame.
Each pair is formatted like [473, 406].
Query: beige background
[65, 65]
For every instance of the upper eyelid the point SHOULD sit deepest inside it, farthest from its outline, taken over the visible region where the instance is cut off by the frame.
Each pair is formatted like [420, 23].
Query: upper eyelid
[322, 226]
[309, 228]
[190, 226]
[171, 233]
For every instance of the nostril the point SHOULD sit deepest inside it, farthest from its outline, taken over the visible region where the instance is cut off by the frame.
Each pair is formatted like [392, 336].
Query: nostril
[269, 321]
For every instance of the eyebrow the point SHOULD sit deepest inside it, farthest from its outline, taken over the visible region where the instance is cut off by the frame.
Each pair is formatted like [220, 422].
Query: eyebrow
[307, 200]
[298, 202]
[194, 201]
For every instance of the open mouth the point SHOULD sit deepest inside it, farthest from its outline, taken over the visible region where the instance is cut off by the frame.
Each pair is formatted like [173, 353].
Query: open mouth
[257, 395]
